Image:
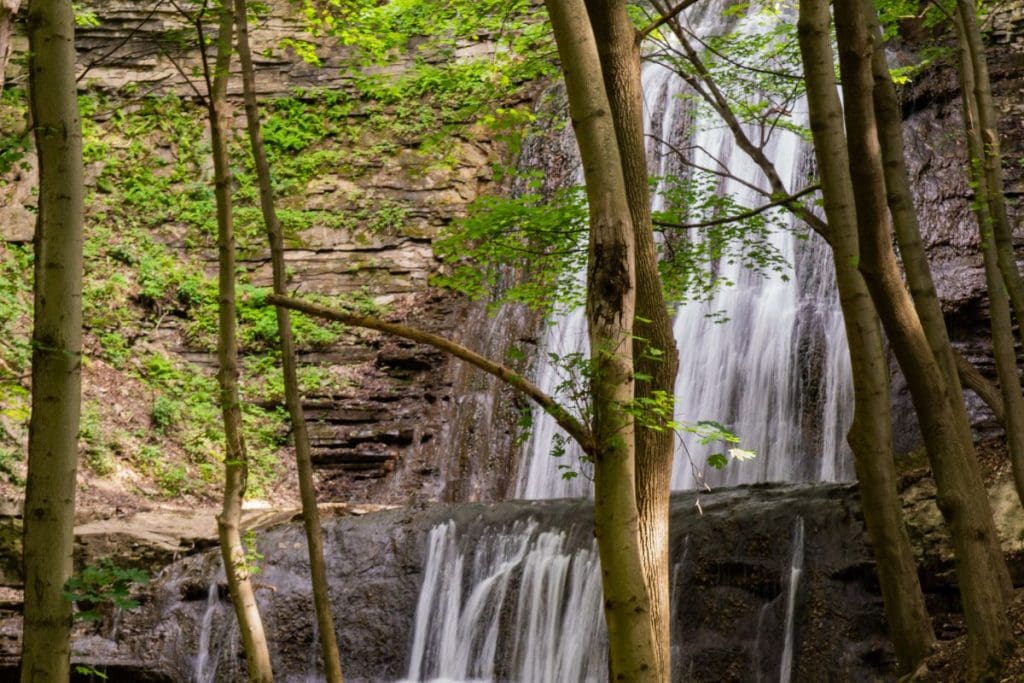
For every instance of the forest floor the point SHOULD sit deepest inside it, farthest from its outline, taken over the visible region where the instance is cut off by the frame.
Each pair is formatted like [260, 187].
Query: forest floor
[949, 662]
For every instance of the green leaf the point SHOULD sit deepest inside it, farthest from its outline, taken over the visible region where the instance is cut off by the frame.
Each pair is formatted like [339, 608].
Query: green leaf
[718, 460]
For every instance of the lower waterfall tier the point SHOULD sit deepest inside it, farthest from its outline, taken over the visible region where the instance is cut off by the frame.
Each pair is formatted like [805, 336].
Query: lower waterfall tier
[767, 579]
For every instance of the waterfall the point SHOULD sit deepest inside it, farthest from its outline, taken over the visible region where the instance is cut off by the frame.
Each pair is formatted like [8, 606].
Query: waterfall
[470, 626]
[776, 372]
[205, 667]
[796, 568]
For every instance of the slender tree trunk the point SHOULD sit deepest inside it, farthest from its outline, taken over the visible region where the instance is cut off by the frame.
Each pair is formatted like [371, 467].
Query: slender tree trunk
[1003, 346]
[901, 205]
[962, 498]
[969, 37]
[293, 399]
[8, 8]
[654, 347]
[56, 344]
[870, 435]
[236, 465]
[611, 292]
[889, 121]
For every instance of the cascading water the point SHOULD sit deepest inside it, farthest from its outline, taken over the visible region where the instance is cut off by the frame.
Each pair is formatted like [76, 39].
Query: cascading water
[469, 627]
[776, 372]
[205, 666]
[796, 568]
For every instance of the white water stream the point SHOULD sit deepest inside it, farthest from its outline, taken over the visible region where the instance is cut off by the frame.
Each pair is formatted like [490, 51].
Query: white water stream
[205, 667]
[776, 372]
[470, 626]
[796, 568]
[520, 606]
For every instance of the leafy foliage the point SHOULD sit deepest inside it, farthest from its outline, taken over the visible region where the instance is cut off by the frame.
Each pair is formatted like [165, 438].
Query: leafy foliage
[692, 257]
[103, 584]
[543, 240]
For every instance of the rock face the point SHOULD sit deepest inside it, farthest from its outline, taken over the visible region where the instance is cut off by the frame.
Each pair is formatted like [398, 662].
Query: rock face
[733, 588]
[937, 159]
[382, 432]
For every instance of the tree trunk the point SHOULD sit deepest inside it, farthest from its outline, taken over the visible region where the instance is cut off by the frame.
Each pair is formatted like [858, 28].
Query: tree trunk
[8, 8]
[611, 292]
[969, 37]
[870, 434]
[654, 347]
[1003, 346]
[56, 344]
[236, 466]
[293, 399]
[900, 201]
[889, 121]
[962, 498]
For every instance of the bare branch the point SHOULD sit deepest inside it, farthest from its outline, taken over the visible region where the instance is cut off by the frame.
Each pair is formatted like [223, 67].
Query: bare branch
[118, 45]
[976, 382]
[665, 18]
[576, 429]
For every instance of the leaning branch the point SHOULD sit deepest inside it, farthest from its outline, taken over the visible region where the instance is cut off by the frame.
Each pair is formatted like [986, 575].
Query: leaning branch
[976, 382]
[664, 19]
[576, 429]
[783, 202]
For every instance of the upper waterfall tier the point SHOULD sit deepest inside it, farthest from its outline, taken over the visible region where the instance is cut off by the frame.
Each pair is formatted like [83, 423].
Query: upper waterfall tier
[765, 355]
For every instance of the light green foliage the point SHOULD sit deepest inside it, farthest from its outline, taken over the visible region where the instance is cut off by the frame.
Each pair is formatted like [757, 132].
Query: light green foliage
[542, 241]
[253, 557]
[103, 585]
[444, 89]
[150, 233]
[85, 18]
[690, 256]
[15, 137]
[98, 450]
[757, 67]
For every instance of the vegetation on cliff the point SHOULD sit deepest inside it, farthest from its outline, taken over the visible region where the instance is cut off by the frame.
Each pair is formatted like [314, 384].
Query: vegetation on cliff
[421, 89]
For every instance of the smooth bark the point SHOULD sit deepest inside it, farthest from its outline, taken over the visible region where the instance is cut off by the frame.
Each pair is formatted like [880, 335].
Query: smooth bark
[900, 200]
[889, 122]
[56, 344]
[870, 434]
[611, 295]
[572, 426]
[1001, 322]
[8, 10]
[654, 348]
[972, 379]
[236, 465]
[970, 41]
[293, 398]
[981, 569]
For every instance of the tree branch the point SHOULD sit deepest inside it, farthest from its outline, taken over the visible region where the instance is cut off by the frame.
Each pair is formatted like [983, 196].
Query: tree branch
[976, 382]
[117, 46]
[665, 18]
[576, 429]
[783, 202]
